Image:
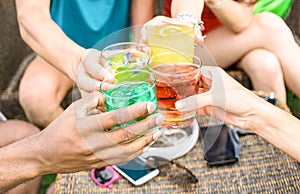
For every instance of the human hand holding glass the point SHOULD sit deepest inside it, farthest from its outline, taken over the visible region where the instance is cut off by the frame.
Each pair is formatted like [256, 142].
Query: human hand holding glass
[221, 98]
[229, 101]
[85, 143]
[97, 65]
[90, 72]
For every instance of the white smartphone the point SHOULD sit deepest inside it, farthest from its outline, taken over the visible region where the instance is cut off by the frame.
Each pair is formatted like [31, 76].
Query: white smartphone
[136, 171]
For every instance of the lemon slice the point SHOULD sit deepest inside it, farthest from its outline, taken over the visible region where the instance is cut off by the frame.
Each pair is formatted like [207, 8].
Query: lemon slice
[167, 30]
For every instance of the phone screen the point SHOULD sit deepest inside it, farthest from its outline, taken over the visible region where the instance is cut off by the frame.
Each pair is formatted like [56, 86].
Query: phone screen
[135, 168]
[217, 144]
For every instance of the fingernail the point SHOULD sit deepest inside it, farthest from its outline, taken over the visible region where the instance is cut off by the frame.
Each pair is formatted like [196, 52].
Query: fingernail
[151, 107]
[180, 104]
[156, 135]
[146, 149]
[159, 119]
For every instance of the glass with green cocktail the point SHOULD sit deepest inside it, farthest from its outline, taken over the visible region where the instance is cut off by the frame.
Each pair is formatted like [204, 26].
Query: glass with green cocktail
[129, 87]
[125, 56]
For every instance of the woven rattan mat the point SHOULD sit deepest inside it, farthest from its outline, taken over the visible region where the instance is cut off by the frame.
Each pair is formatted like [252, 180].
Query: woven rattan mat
[262, 168]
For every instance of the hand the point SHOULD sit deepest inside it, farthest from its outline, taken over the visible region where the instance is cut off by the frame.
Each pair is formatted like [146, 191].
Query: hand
[162, 20]
[90, 72]
[226, 99]
[76, 140]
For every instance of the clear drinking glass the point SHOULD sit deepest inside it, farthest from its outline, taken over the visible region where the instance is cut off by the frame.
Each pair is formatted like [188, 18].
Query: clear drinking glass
[129, 87]
[172, 34]
[125, 56]
[175, 81]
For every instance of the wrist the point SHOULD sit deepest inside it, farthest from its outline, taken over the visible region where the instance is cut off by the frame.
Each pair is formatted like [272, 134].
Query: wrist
[253, 112]
[191, 18]
[20, 161]
[79, 55]
[32, 156]
[265, 119]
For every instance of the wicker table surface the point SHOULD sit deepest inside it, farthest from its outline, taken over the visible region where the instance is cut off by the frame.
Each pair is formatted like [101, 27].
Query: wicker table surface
[262, 168]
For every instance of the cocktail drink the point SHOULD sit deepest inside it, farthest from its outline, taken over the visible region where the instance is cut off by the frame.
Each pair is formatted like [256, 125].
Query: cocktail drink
[172, 35]
[175, 81]
[125, 56]
[129, 87]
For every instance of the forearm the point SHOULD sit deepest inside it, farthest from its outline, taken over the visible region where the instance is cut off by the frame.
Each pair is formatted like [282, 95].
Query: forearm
[46, 38]
[19, 162]
[141, 12]
[234, 15]
[193, 7]
[279, 128]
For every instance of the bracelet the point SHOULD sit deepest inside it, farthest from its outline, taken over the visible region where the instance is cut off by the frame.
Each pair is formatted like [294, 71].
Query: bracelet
[199, 25]
[217, 5]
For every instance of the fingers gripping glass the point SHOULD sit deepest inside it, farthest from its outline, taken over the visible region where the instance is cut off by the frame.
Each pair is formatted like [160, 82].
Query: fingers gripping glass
[105, 176]
[156, 161]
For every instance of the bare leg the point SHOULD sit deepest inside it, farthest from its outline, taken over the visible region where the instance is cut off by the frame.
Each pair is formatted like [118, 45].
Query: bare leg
[264, 70]
[11, 131]
[268, 32]
[42, 90]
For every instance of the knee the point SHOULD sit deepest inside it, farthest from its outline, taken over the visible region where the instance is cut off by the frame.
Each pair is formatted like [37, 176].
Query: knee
[270, 23]
[270, 69]
[28, 98]
[265, 65]
[38, 102]
[35, 92]
[25, 129]
[19, 129]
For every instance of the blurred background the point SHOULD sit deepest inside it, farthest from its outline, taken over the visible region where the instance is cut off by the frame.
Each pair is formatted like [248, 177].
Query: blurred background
[15, 55]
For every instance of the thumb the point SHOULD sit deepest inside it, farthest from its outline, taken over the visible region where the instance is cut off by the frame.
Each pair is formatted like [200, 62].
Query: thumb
[194, 102]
